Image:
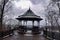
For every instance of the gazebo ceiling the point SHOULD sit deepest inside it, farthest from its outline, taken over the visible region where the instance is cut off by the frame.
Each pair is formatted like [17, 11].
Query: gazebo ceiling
[29, 15]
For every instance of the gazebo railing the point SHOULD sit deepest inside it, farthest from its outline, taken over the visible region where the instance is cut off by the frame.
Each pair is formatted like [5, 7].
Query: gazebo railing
[23, 29]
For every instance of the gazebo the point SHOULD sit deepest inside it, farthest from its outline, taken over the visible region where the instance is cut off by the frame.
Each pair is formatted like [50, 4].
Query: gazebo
[29, 16]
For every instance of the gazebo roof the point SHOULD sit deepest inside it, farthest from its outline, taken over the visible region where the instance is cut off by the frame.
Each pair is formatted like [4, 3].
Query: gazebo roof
[29, 14]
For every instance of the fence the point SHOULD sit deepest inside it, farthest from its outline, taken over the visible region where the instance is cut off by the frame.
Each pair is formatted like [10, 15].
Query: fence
[51, 35]
[5, 33]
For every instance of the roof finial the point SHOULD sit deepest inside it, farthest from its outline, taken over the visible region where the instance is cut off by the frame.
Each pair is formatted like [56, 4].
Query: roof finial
[29, 7]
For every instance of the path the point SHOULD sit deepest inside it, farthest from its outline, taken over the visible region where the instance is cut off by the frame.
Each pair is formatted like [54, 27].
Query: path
[17, 36]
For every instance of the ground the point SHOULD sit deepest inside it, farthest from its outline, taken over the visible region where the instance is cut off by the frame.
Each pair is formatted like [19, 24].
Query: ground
[17, 36]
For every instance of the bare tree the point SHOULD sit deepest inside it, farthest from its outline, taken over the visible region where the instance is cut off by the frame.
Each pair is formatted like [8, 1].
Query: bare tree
[52, 15]
[58, 4]
[2, 11]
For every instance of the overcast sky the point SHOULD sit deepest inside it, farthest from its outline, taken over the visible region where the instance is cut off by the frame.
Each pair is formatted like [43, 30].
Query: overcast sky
[19, 7]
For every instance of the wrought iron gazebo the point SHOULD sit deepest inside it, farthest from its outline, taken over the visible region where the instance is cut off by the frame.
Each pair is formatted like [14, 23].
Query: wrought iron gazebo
[29, 16]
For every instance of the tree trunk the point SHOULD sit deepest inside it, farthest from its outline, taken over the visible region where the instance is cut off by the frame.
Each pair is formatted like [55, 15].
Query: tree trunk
[2, 11]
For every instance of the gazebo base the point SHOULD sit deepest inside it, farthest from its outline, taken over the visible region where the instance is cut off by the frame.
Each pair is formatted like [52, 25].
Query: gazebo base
[35, 30]
[23, 30]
